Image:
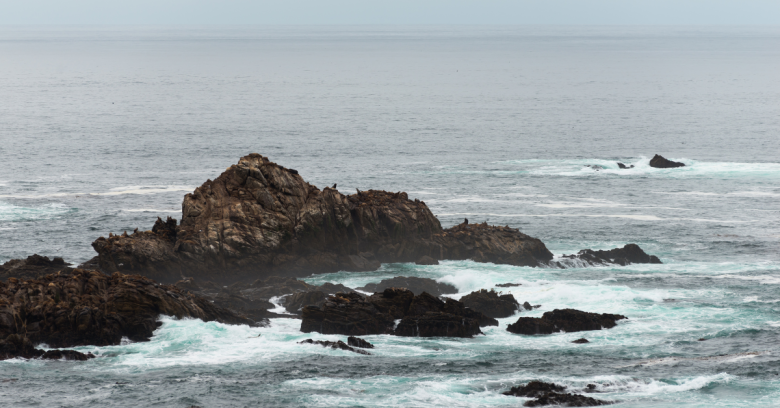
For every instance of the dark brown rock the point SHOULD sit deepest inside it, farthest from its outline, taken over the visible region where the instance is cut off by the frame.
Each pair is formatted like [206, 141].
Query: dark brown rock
[346, 313]
[581, 341]
[416, 285]
[508, 285]
[566, 320]
[66, 355]
[338, 345]
[623, 166]
[90, 308]
[437, 324]
[258, 219]
[629, 254]
[491, 303]
[33, 267]
[426, 260]
[393, 301]
[565, 400]
[661, 162]
[358, 342]
[534, 389]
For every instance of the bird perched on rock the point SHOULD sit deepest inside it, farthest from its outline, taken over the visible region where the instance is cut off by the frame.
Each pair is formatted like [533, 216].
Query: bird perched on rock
[465, 220]
[334, 186]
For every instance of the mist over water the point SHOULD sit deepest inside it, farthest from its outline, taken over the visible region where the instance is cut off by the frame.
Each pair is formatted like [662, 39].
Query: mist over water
[102, 130]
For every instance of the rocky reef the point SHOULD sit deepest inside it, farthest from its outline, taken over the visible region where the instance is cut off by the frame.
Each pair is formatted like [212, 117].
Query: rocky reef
[259, 219]
[629, 254]
[566, 320]
[424, 315]
[338, 345]
[545, 394]
[87, 307]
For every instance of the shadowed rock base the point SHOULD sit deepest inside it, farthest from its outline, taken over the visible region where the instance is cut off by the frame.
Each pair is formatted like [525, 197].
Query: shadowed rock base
[566, 320]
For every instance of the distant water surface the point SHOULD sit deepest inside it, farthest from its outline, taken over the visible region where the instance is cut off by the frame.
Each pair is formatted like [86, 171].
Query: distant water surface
[104, 129]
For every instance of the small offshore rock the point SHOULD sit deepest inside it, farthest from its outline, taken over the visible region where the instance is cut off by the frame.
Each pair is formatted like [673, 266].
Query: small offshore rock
[702, 339]
[581, 341]
[629, 254]
[426, 260]
[534, 389]
[338, 345]
[565, 400]
[508, 285]
[358, 342]
[566, 320]
[491, 303]
[623, 166]
[661, 162]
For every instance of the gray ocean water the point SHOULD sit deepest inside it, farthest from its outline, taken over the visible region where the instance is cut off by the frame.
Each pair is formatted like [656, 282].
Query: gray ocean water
[102, 129]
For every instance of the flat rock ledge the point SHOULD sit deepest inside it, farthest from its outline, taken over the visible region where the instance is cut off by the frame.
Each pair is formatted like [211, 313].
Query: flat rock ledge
[566, 320]
[87, 307]
[423, 315]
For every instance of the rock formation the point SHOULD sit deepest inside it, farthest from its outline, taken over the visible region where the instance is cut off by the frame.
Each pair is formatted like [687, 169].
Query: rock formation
[629, 254]
[259, 219]
[566, 320]
[424, 315]
[416, 285]
[552, 394]
[17, 345]
[358, 342]
[491, 303]
[90, 308]
[33, 267]
[661, 162]
[623, 166]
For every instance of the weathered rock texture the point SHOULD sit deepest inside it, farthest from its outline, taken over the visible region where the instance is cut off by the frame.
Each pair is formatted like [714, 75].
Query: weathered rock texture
[661, 162]
[424, 315]
[259, 219]
[416, 285]
[629, 254]
[567, 320]
[33, 267]
[90, 308]
[491, 303]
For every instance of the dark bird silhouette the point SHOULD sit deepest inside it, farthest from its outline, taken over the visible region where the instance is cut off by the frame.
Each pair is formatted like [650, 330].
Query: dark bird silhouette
[334, 186]
[466, 221]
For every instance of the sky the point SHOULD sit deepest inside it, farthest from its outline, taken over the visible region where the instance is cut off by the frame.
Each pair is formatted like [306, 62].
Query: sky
[317, 12]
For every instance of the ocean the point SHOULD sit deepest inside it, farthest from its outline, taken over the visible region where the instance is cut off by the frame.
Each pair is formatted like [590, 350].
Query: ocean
[103, 129]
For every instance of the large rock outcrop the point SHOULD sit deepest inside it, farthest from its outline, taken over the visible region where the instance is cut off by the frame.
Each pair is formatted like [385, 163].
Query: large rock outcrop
[566, 320]
[90, 308]
[491, 303]
[260, 219]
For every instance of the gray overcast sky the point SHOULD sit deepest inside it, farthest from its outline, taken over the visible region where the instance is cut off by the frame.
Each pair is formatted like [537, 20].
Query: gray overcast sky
[390, 12]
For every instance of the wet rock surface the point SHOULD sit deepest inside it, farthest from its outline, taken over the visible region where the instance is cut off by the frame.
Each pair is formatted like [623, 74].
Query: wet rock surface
[297, 301]
[545, 394]
[33, 267]
[661, 162]
[338, 345]
[508, 285]
[259, 219]
[491, 303]
[17, 345]
[358, 342]
[424, 315]
[426, 260]
[629, 254]
[90, 308]
[623, 166]
[566, 320]
[581, 341]
[416, 285]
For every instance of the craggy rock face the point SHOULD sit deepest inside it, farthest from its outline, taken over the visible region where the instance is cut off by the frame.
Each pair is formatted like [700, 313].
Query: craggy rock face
[260, 219]
[90, 308]
[491, 303]
[567, 320]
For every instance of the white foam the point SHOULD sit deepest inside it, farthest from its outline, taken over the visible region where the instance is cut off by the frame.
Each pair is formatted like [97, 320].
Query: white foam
[143, 190]
[150, 210]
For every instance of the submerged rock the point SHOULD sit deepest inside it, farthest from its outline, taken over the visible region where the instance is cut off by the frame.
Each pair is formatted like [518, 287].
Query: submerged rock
[426, 260]
[661, 162]
[623, 166]
[33, 267]
[18, 345]
[552, 394]
[338, 345]
[629, 254]
[534, 389]
[508, 285]
[581, 341]
[259, 219]
[90, 308]
[416, 285]
[491, 303]
[566, 320]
